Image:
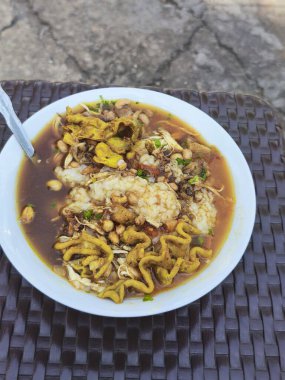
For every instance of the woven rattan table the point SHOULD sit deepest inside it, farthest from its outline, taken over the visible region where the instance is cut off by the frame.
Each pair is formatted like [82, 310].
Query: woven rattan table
[237, 331]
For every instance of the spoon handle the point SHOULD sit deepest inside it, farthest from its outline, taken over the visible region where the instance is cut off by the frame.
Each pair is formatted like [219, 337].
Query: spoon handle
[14, 124]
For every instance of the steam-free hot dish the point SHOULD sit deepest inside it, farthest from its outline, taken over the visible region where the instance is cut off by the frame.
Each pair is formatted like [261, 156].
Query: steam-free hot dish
[124, 199]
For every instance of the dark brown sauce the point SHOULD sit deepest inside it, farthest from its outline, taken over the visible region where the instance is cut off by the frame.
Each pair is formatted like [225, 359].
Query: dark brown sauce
[31, 189]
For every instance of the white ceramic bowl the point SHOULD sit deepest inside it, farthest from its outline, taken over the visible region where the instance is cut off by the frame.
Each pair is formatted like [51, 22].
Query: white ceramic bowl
[39, 275]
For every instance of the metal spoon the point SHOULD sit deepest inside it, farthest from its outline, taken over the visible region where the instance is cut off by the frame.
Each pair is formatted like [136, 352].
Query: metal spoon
[14, 124]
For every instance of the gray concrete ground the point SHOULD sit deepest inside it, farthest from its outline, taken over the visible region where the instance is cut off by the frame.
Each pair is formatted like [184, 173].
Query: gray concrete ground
[233, 45]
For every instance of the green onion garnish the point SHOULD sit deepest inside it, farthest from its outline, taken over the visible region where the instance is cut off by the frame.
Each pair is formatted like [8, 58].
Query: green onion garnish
[147, 297]
[203, 174]
[142, 173]
[194, 180]
[181, 161]
[157, 143]
[88, 215]
[211, 232]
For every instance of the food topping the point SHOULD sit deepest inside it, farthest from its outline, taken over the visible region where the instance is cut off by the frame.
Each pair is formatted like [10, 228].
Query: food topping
[142, 201]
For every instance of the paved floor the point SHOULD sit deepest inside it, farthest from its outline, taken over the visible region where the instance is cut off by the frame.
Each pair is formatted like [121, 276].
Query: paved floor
[233, 45]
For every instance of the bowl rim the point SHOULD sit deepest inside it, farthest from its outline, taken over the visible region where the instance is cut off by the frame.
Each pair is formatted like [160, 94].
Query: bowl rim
[164, 101]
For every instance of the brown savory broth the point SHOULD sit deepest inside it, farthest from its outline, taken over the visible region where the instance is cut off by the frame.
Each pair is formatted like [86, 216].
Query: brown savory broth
[48, 223]
[32, 190]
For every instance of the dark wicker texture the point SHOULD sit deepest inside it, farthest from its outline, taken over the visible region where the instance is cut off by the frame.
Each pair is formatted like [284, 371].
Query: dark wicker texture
[237, 331]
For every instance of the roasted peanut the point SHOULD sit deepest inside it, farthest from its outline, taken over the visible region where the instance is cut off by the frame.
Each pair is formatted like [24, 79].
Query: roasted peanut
[54, 185]
[113, 236]
[119, 199]
[27, 215]
[120, 229]
[187, 154]
[140, 219]
[57, 158]
[62, 146]
[132, 199]
[173, 186]
[107, 225]
[74, 164]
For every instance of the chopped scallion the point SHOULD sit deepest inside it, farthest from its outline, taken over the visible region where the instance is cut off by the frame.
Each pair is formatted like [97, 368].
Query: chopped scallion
[157, 143]
[98, 215]
[194, 180]
[181, 161]
[88, 215]
[142, 173]
[203, 174]
[104, 102]
[147, 297]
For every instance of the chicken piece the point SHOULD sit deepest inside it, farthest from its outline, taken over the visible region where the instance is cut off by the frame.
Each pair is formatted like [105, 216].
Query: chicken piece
[199, 150]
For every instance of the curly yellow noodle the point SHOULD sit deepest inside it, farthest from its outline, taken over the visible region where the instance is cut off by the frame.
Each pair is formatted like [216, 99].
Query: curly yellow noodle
[78, 251]
[59, 246]
[89, 259]
[73, 247]
[166, 264]
[117, 293]
[104, 247]
[205, 253]
[166, 278]
[189, 230]
[84, 271]
[131, 236]
[189, 266]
